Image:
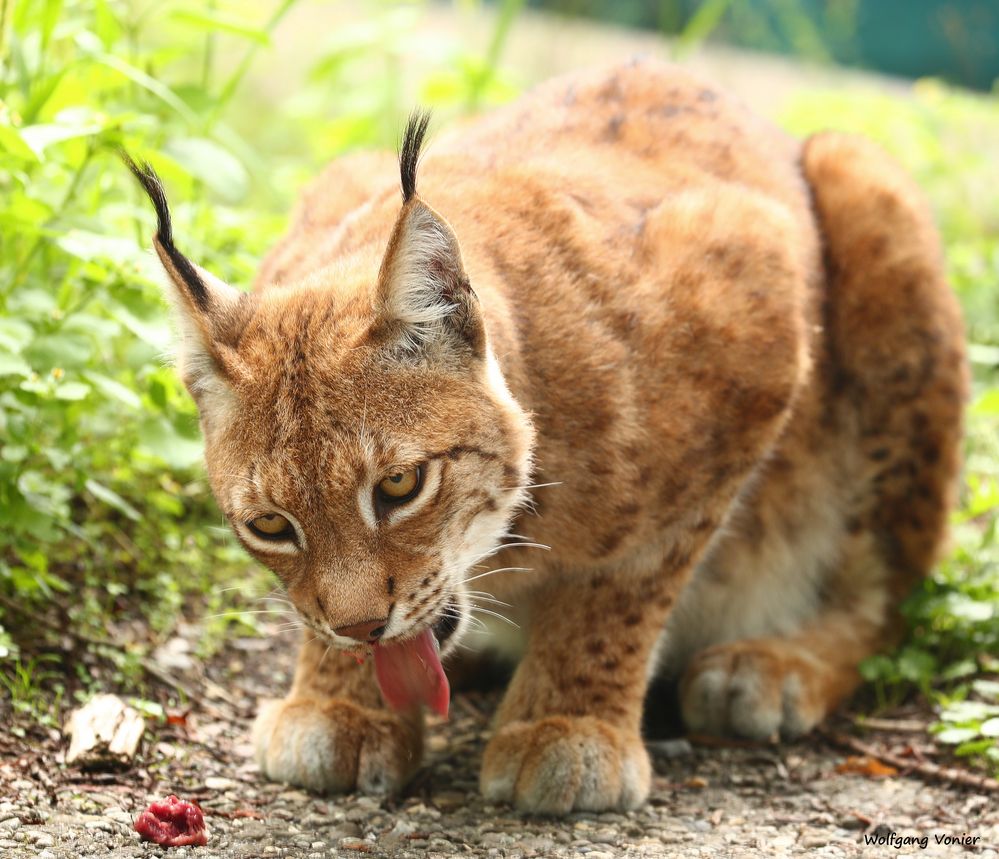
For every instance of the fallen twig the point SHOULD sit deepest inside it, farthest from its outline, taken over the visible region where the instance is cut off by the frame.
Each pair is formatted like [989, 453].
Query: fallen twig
[922, 768]
[902, 726]
[712, 742]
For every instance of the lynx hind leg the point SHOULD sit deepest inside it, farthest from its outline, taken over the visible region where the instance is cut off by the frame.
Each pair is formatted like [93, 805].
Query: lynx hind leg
[897, 382]
[784, 685]
[332, 734]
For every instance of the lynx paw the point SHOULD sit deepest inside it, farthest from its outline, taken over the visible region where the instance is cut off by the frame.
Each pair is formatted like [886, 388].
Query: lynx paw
[563, 764]
[753, 689]
[333, 745]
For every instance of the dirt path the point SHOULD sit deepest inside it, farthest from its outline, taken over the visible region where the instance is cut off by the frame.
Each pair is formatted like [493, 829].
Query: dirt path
[770, 801]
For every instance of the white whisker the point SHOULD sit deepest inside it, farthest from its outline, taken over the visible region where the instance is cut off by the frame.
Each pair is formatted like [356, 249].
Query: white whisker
[325, 654]
[492, 600]
[240, 612]
[500, 570]
[523, 546]
[494, 614]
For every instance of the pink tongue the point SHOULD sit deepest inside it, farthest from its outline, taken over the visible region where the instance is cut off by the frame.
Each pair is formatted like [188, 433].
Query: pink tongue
[410, 673]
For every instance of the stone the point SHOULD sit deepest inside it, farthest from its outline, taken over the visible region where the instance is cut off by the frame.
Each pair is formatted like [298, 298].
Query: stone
[347, 829]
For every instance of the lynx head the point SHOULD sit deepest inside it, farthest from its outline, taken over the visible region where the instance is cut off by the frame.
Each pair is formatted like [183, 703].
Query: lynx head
[359, 435]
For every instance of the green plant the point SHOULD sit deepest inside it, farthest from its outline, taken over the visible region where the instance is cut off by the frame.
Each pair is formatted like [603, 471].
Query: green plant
[25, 682]
[105, 511]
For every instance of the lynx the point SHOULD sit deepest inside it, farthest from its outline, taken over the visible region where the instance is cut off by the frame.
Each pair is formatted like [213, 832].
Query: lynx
[684, 392]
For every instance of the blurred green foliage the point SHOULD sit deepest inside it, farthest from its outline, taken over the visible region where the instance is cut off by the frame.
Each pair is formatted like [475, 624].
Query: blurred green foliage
[104, 508]
[104, 511]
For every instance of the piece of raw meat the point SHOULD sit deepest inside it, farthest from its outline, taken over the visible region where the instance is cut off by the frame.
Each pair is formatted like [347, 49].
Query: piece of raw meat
[172, 822]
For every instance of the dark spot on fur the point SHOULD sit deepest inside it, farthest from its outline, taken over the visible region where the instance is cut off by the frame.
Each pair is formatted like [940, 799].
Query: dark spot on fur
[464, 450]
[628, 509]
[611, 91]
[612, 131]
[632, 619]
[613, 539]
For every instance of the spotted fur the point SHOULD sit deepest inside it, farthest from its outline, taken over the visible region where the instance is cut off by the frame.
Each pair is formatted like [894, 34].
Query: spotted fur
[728, 361]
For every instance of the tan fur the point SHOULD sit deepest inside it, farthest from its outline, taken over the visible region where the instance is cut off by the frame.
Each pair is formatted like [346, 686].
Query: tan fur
[735, 357]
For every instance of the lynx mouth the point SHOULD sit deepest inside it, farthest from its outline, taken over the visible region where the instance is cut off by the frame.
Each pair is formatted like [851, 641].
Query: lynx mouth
[409, 671]
[444, 627]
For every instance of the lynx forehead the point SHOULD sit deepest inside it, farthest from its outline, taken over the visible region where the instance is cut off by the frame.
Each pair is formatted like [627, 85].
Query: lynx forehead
[682, 393]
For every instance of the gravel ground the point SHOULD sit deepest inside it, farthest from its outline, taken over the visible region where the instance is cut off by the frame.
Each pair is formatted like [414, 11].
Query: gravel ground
[706, 801]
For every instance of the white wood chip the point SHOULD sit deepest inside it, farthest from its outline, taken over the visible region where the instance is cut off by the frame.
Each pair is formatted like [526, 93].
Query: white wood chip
[105, 727]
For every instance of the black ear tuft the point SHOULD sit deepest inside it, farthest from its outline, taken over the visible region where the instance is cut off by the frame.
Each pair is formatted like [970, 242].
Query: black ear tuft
[153, 187]
[409, 152]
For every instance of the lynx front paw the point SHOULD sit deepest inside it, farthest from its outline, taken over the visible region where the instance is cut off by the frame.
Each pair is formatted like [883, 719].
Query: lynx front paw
[754, 689]
[563, 764]
[334, 745]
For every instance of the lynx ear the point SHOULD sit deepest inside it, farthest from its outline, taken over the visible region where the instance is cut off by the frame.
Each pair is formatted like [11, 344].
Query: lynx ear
[209, 313]
[423, 291]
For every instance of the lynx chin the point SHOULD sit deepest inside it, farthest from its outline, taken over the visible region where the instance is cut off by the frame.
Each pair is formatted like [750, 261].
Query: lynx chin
[682, 392]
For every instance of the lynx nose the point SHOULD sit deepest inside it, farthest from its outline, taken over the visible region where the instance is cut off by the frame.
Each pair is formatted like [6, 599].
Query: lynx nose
[368, 630]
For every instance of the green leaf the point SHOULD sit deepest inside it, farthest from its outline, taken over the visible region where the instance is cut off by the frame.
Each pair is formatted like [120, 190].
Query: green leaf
[219, 169]
[12, 143]
[916, 665]
[161, 91]
[974, 747]
[50, 17]
[953, 736]
[106, 26]
[987, 688]
[14, 453]
[40, 137]
[12, 365]
[159, 439]
[15, 334]
[156, 333]
[72, 391]
[114, 390]
[990, 728]
[112, 499]
[117, 250]
[877, 667]
[218, 22]
[61, 349]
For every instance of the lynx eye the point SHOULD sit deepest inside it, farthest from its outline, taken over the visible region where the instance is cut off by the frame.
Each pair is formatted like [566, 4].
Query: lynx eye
[272, 526]
[400, 487]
